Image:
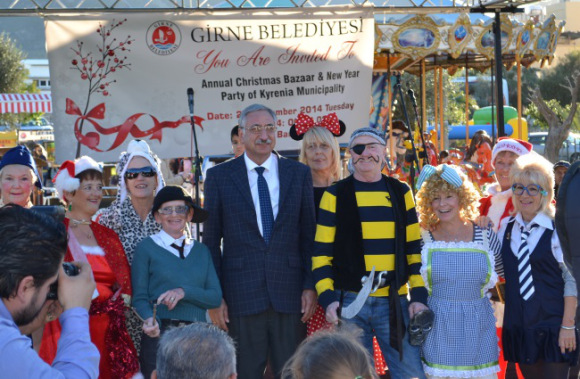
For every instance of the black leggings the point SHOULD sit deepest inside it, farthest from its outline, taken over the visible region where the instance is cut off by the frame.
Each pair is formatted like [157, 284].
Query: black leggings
[545, 370]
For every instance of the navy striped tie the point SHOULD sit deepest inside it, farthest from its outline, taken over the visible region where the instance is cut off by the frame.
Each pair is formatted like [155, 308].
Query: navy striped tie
[524, 268]
[265, 205]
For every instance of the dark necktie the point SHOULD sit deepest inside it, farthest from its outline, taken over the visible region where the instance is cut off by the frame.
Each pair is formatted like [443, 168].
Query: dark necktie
[265, 205]
[524, 269]
[179, 248]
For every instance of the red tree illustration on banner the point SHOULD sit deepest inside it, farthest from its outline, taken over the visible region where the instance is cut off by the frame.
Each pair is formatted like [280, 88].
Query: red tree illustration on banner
[97, 69]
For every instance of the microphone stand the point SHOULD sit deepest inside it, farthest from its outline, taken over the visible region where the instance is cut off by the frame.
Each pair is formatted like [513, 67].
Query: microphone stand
[197, 169]
[411, 95]
[414, 159]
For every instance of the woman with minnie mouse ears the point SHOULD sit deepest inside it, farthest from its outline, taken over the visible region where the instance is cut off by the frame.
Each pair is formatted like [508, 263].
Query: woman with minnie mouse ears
[319, 149]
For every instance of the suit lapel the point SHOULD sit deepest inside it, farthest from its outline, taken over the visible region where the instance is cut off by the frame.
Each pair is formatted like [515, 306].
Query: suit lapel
[239, 175]
[285, 175]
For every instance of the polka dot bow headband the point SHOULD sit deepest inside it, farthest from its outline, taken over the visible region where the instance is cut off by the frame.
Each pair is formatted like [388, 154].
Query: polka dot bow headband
[304, 123]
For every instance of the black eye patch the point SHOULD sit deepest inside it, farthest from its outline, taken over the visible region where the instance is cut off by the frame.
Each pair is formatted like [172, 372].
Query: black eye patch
[358, 149]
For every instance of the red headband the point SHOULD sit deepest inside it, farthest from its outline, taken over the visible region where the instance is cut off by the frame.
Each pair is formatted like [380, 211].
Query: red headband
[304, 123]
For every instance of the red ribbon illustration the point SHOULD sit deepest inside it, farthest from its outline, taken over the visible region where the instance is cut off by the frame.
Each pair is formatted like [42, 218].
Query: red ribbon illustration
[304, 123]
[92, 139]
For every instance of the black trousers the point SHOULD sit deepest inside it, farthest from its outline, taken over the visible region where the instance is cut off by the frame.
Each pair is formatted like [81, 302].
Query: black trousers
[266, 335]
[148, 353]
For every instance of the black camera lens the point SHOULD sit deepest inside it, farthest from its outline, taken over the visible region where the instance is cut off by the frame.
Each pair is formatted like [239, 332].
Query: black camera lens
[70, 270]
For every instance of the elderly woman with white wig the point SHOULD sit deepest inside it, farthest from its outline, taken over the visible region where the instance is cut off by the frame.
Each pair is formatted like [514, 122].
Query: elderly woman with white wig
[18, 176]
[539, 331]
[80, 187]
[130, 215]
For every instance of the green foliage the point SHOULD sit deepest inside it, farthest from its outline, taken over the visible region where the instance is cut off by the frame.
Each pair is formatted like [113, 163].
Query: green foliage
[530, 81]
[453, 93]
[551, 80]
[12, 71]
[561, 111]
[13, 75]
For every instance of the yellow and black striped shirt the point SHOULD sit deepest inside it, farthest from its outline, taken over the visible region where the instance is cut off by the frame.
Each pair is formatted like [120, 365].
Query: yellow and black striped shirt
[378, 232]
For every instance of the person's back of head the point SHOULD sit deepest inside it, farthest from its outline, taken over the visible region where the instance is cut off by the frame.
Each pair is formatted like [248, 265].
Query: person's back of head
[196, 351]
[331, 355]
[31, 244]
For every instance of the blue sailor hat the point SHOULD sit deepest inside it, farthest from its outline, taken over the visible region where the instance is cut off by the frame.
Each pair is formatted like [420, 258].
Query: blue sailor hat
[22, 156]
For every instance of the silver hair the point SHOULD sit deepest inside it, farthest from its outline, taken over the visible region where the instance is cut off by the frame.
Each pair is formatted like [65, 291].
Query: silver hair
[254, 108]
[196, 351]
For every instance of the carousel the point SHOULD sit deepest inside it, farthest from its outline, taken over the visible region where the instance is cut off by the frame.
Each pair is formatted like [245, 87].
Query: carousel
[427, 44]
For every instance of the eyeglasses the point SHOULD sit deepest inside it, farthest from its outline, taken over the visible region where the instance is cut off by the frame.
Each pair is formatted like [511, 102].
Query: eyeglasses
[257, 129]
[178, 209]
[91, 188]
[360, 148]
[146, 172]
[531, 189]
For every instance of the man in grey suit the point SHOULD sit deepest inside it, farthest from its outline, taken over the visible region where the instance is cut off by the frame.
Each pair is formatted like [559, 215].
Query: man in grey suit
[262, 206]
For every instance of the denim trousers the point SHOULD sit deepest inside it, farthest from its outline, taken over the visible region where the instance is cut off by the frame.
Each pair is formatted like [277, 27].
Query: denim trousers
[373, 319]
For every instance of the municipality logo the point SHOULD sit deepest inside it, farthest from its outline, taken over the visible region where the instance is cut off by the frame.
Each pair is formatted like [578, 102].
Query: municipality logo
[163, 37]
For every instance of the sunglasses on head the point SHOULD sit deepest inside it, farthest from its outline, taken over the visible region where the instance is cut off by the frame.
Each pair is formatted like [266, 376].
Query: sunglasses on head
[145, 172]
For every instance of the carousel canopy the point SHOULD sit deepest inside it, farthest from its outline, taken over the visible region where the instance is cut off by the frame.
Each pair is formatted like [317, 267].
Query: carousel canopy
[459, 40]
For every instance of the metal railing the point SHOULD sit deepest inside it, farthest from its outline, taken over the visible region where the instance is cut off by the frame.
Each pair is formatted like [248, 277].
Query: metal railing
[28, 7]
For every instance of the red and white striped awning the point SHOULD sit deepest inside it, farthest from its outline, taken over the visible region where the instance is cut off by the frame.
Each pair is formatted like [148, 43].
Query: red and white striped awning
[25, 103]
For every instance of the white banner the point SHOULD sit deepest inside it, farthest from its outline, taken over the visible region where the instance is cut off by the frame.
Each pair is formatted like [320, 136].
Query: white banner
[116, 77]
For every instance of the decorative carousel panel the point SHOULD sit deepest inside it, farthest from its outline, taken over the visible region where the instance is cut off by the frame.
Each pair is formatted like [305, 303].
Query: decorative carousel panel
[485, 41]
[546, 38]
[417, 38]
[524, 39]
[458, 40]
[460, 34]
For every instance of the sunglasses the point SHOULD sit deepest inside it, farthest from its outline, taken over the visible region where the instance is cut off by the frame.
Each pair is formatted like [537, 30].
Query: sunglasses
[179, 209]
[146, 172]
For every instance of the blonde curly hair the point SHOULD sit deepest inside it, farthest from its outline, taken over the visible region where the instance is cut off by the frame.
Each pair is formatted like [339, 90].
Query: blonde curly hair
[467, 194]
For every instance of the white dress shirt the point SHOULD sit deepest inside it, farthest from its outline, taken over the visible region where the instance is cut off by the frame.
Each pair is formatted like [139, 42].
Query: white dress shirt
[165, 240]
[544, 222]
[273, 180]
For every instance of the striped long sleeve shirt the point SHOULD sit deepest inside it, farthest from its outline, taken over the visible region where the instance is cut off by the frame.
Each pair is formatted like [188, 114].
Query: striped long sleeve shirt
[378, 233]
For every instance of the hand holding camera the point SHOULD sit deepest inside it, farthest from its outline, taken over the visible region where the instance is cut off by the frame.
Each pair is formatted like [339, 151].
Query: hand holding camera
[77, 290]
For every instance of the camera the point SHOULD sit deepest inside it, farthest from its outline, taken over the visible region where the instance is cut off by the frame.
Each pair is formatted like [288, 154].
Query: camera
[70, 270]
